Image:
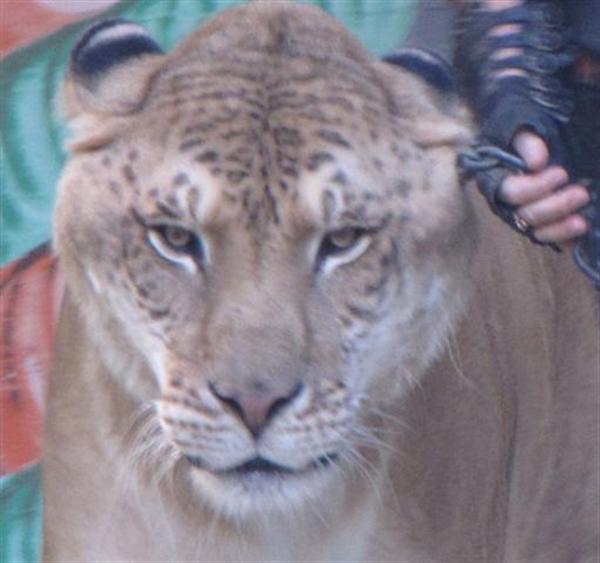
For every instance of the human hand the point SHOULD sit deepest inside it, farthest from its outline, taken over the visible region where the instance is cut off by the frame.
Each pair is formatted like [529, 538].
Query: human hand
[541, 200]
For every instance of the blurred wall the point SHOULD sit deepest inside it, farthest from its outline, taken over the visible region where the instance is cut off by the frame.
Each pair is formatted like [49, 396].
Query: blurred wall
[22, 21]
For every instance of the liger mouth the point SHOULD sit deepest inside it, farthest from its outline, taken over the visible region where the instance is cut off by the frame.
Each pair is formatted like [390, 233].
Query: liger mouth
[262, 466]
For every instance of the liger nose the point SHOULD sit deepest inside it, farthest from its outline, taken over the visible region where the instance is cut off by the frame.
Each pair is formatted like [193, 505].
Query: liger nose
[256, 408]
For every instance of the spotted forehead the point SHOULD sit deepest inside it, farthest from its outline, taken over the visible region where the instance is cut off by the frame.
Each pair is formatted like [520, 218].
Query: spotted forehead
[258, 133]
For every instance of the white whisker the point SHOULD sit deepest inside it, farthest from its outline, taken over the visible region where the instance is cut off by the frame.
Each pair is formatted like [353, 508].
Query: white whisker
[365, 468]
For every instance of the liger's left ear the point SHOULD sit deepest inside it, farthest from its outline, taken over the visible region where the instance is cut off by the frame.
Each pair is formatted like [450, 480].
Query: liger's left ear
[109, 74]
[439, 116]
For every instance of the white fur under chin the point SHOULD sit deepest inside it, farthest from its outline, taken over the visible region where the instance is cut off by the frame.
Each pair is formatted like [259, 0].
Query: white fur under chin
[267, 494]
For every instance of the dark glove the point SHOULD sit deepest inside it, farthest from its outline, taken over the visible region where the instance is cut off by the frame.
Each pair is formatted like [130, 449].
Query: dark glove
[536, 98]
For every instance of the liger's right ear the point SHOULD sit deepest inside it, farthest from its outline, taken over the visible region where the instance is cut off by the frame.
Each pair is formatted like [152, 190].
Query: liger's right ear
[427, 65]
[440, 118]
[109, 74]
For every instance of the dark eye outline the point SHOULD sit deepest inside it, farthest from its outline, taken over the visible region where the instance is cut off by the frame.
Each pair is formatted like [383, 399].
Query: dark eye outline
[328, 248]
[163, 246]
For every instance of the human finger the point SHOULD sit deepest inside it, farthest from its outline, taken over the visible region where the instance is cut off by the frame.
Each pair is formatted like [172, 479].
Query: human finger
[554, 207]
[527, 188]
[563, 231]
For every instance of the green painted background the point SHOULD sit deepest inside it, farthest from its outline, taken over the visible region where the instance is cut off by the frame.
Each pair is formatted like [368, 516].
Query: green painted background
[21, 516]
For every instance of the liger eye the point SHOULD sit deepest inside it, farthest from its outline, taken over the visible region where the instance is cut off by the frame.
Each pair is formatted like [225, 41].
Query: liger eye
[340, 241]
[176, 237]
[177, 245]
[344, 238]
[342, 247]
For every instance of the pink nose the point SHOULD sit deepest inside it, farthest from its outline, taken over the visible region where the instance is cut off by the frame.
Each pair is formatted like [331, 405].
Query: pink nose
[256, 408]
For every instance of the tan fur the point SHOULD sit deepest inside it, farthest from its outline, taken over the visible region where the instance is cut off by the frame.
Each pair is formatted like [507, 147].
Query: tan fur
[458, 440]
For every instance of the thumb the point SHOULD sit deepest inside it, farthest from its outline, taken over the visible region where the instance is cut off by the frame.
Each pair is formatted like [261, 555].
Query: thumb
[532, 150]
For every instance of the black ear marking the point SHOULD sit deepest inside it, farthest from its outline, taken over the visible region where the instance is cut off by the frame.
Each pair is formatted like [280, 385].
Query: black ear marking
[108, 43]
[429, 66]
